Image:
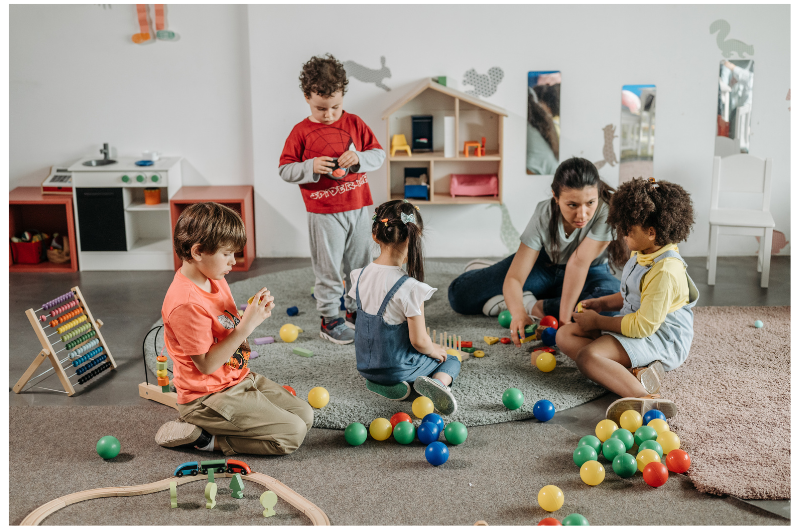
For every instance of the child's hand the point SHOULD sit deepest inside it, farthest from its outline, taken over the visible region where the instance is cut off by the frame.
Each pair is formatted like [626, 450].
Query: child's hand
[348, 159]
[439, 353]
[593, 304]
[587, 320]
[324, 165]
[517, 324]
[258, 311]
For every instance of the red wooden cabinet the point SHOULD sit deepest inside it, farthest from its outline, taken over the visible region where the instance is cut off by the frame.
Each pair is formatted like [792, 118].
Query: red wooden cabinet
[29, 210]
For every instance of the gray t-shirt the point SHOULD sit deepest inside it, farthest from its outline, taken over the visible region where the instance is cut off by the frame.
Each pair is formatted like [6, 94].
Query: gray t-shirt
[536, 235]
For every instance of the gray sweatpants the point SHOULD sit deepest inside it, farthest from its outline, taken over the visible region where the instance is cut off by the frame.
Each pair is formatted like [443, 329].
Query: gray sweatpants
[338, 241]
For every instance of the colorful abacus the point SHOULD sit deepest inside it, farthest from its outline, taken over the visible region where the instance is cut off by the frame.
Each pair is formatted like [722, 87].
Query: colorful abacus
[79, 333]
[162, 374]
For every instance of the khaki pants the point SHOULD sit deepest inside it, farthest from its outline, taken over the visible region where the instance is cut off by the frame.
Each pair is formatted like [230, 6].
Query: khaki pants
[256, 416]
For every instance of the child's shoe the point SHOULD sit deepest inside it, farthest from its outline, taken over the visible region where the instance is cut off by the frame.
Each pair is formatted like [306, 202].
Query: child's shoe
[337, 332]
[496, 304]
[641, 405]
[398, 391]
[440, 394]
[650, 376]
[181, 434]
[479, 263]
[349, 320]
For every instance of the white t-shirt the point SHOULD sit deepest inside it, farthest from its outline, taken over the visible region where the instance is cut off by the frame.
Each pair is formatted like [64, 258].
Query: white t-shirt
[375, 284]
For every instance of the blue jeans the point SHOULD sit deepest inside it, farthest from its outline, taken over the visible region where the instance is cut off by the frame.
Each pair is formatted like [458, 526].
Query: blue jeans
[470, 291]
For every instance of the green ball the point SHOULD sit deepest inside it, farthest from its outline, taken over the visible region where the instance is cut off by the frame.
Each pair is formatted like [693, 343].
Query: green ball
[613, 447]
[651, 445]
[355, 434]
[504, 319]
[645, 433]
[624, 465]
[455, 433]
[575, 519]
[583, 453]
[404, 432]
[624, 436]
[592, 441]
[513, 398]
[758, 324]
[108, 447]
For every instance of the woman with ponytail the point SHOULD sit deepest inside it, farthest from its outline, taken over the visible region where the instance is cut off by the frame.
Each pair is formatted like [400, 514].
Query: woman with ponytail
[392, 347]
[562, 258]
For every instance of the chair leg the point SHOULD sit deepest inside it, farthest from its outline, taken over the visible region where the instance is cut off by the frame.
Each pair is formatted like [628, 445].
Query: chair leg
[713, 255]
[761, 252]
[709, 235]
[766, 258]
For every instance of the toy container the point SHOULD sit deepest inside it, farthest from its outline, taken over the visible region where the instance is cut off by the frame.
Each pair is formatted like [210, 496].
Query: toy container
[473, 185]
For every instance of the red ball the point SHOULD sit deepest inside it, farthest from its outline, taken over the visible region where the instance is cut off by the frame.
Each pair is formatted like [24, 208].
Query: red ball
[550, 322]
[505, 340]
[290, 390]
[396, 418]
[549, 521]
[656, 474]
[545, 349]
[678, 461]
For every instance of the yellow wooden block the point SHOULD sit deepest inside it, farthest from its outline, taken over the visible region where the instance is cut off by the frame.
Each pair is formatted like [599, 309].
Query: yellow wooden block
[162, 374]
[527, 339]
[456, 353]
[479, 354]
[579, 307]
[490, 340]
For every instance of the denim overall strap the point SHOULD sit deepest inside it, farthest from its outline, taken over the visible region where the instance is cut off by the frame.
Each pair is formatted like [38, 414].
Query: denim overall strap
[390, 294]
[357, 293]
[693, 293]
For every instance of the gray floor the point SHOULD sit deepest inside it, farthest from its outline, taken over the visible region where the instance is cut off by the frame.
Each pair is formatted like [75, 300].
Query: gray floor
[128, 302]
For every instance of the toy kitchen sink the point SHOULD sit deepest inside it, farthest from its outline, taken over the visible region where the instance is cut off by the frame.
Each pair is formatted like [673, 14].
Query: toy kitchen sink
[116, 229]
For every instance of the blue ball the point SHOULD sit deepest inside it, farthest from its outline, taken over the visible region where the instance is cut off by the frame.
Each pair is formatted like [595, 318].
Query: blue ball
[436, 453]
[436, 419]
[653, 414]
[544, 410]
[292, 311]
[548, 336]
[427, 432]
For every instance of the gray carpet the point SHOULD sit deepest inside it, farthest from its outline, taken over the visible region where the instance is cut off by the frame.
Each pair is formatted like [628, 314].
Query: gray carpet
[478, 389]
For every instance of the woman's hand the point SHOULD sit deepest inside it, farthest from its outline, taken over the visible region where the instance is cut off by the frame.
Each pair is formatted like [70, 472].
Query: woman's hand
[438, 354]
[323, 165]
[517, 324]
[587, 320]
[596, 305]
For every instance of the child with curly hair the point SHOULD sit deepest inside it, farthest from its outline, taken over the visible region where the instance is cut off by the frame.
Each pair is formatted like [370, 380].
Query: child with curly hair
[628, 354]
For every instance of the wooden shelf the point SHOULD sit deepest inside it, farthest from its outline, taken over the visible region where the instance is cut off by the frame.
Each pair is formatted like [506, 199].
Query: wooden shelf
[41, 267]
[140, 206]
[446, 199]
[439, 156]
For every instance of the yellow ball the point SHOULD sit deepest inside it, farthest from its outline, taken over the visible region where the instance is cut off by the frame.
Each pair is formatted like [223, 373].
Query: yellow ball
[631, 420]
[550, 498]
[605, 429]
[669, 441]
[660, 425]
[380, 429]
[545, 362]
[647, 456]
[478, 354]
[289, 332]
[592, 473]
[422, 406]
[318, 397]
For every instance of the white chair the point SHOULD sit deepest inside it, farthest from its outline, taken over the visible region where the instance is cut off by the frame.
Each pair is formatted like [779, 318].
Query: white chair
[747, 174]
[726, 147]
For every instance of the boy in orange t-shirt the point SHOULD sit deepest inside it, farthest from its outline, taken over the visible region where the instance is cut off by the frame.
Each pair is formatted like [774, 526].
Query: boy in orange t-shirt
[222, 404]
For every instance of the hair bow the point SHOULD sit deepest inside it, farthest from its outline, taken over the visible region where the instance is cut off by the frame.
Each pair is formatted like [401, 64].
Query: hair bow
[407, 218]
[385, 221]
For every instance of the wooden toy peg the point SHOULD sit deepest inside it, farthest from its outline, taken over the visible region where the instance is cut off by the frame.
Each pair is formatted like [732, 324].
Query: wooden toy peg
[236, 487]
[173, 494]
[268, 500]
[210, 495]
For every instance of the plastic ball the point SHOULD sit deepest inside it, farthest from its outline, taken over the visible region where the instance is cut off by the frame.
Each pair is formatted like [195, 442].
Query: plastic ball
[651, 445]
[613, 447]
[550, 498]
[593, 442]
[544, 410]
[289, 333]
[758, 324]
[436, 453]
[380, 429]
[355, 434]
[290, 389]
[660, 425]
[404, 432]
[512, 398]
[653, 414]
[548, 336]
[656, 474]
[436, 419]
[549, 521]
[422, 406]
[318, 397]
[575, 519]
[592, 473]
[645, 433]
[678, 461]
[108, 447]
[545, 362]
[625, 465]
[550, 322]
[504, 319]
[455, 433]
[604, 429]
[645, 457]
[624, 436]
[631, 420]
[427, 432]
[396, 418]
[583, 454]
[669, 441]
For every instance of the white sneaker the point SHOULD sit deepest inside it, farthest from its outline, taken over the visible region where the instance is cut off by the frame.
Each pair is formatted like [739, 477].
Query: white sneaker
[480, 263]
[496, 304]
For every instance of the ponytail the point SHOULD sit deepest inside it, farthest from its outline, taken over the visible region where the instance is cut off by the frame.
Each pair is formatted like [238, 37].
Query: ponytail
[396, 222]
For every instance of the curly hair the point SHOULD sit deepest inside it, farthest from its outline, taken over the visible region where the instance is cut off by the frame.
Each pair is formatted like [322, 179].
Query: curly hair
[661, 205]
[211, 225]
[323, 75]
[389, 229]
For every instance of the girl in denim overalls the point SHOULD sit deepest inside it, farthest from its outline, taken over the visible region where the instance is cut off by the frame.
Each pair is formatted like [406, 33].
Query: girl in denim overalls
[629, 354]
[392, 347]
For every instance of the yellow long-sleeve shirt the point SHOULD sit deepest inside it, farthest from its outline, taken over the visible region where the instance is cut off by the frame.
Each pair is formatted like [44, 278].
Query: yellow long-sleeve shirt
[664, 289]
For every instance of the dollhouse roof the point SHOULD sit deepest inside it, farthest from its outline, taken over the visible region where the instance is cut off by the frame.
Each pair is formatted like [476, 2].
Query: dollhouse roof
[430, 84]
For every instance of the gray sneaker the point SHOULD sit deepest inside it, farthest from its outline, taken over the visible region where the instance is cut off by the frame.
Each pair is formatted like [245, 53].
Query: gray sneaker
[440, 394]
[496, 304]
[337, 332]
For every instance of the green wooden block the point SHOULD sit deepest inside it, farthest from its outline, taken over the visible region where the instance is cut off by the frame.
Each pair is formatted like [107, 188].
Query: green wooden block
[173, 494]
[529, 330]
[441, 80]
[161, 365]
[470, 350]
[304, 352]
[164, 388]
[236, 486]
[211, 475]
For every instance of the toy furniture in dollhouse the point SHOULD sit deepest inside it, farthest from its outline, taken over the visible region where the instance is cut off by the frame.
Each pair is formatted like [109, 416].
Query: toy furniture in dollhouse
[29, 209]
[399, 142]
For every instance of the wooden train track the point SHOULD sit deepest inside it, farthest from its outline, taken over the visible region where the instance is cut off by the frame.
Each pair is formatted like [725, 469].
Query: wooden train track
[314, 513]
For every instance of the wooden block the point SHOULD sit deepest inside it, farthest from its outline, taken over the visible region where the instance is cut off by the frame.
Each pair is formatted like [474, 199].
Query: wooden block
[211, 475]
[529, 338]
[173, 494]
[467, 344]
[490, 340]
[165, 389]
[478, 354]
[162, 374]
[210, 495]
[236, 486]
[304, 352]
[268, 500]
[529, 330]
[163, 381]
[470, 350]
[579, 307]
[161, 358]
[161, 366]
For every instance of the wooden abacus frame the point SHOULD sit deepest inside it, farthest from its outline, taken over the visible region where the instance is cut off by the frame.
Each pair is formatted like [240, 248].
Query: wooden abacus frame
[49, 352]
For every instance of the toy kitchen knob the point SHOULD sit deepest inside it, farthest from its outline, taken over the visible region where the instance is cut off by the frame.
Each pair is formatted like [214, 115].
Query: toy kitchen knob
[154, 178]
[125, 179]
[140, 178]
